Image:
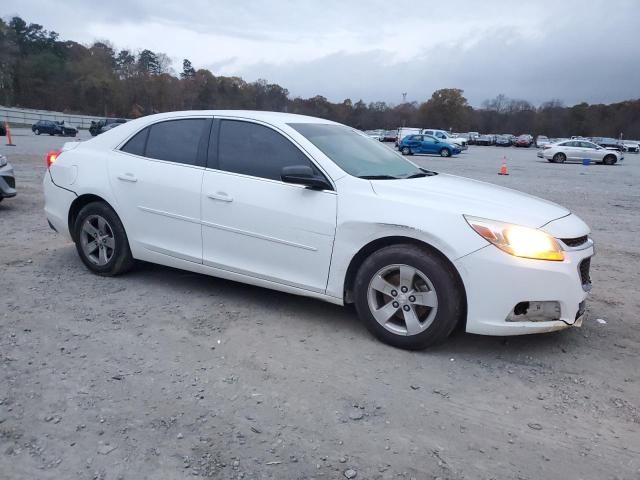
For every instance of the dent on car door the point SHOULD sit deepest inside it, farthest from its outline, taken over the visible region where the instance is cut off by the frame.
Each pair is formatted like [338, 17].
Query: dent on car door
[257, 225]
[157, 178]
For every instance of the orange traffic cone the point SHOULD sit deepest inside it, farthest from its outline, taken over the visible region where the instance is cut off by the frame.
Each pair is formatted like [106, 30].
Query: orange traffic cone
[8, 129]
[503, 167]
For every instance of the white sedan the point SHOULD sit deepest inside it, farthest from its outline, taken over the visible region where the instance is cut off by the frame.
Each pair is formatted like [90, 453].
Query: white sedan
[312, 207]
[579, 151]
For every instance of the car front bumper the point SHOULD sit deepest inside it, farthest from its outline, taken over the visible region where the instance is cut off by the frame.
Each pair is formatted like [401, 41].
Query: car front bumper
[497, 282]
[7, 182]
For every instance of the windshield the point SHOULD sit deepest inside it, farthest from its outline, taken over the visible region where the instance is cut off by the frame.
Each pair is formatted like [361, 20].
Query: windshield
[357, 154]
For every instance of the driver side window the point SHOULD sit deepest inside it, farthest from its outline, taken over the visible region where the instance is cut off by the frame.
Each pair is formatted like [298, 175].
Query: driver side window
[255, 150]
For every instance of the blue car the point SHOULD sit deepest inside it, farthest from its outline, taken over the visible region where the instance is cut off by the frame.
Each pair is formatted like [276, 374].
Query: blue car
[427, 144]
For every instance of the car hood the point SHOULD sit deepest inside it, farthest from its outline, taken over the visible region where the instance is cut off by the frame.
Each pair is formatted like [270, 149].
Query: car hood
[471, 197]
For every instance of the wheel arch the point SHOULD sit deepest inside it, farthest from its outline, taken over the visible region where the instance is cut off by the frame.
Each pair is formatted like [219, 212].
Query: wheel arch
[78, 204]
[379, 243]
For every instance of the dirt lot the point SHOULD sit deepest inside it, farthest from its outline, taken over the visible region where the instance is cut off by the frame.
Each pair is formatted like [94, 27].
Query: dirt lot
[166, 374]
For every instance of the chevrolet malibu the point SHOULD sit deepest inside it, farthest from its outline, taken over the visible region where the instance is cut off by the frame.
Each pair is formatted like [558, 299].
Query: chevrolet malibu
[315, 208]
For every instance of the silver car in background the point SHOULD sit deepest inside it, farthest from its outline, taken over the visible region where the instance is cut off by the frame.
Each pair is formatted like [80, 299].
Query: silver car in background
[579, 151]
[542, 140]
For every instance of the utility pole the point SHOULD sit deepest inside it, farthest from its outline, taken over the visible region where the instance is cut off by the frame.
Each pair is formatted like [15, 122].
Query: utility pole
[404, 100]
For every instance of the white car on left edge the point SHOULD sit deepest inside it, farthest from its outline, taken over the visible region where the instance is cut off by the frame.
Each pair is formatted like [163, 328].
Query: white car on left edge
[312, 207]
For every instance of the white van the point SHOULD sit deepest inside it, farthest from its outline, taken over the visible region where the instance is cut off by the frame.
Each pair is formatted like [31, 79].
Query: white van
[443, 135]
[404, 131]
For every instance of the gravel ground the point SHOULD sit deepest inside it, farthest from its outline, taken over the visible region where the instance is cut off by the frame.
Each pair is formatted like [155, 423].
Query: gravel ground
[167, 374]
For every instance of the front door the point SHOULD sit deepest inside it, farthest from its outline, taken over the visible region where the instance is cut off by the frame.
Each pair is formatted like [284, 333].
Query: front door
[429, 144]
[257, 225]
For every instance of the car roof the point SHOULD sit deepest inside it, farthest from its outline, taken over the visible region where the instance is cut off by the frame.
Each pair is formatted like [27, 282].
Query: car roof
[276, 119]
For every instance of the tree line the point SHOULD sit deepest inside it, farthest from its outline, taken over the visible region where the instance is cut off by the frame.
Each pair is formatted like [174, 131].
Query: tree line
[39, 70]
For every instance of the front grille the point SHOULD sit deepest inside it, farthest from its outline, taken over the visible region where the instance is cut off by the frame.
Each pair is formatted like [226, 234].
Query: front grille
[585, 278]
[575, 242]
[11, 181]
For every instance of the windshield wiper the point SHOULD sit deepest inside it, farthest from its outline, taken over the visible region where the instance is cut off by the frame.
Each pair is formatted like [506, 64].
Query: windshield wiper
[418, 175]
[378, 177]
[423, 173]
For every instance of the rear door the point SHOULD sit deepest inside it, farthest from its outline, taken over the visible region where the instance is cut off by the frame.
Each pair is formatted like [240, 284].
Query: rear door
[255, 224]
[414, 142]
[157, 178]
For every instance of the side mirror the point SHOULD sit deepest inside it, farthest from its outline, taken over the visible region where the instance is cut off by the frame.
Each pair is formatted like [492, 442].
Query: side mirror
[303, 175]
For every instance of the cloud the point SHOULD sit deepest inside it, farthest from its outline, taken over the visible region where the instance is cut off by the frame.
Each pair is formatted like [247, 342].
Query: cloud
[535, 50]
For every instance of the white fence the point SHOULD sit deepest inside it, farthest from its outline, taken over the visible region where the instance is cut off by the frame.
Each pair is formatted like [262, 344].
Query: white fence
[26, 116]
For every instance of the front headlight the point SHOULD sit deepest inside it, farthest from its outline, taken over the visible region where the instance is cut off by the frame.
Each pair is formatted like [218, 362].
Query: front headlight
[517, 240]
[3, 160]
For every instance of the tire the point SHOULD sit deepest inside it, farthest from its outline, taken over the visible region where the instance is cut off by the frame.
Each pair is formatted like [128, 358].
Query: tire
[406, 151]
[438, 303]
[445, 152]
[36, 131]
[559, 158]
[112, 256]
[609, 159]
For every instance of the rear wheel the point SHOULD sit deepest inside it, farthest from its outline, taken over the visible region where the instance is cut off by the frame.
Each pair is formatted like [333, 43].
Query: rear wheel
[445, 152]
[408, 296]
[406, 151]
[609, 160]
[101, 240]
[559, 158]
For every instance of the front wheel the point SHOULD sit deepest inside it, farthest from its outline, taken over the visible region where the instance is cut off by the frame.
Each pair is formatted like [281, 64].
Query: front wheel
[445, 152]
[609, 160]
[36, 131]
[406, 151]
[101, 240]
[559, 158]
[408, 296]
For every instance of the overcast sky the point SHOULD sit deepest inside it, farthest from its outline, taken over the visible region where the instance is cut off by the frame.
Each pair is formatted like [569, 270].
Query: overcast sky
[575, 51]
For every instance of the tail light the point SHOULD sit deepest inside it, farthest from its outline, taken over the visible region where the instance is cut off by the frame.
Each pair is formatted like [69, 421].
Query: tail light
[544, 147]
[51, 157]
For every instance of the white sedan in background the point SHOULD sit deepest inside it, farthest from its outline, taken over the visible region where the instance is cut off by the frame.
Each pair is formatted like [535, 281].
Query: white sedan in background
[311, 207]
[578, 151]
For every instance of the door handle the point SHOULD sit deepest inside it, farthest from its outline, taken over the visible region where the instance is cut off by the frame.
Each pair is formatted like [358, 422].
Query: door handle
[127, 177]
[222, 196]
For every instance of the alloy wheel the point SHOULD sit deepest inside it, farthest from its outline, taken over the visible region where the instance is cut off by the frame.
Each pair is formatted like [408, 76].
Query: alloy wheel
[97, 240]
[402, 299]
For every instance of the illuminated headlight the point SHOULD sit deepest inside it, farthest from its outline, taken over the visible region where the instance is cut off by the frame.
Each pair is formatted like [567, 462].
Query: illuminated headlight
[517, 240]
[3, 160]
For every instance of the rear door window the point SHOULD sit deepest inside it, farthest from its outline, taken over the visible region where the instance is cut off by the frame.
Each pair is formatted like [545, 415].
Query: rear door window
[176, 140]
[137, 143]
